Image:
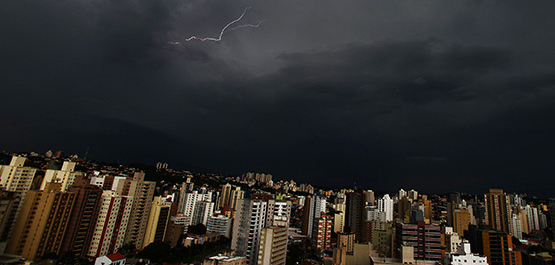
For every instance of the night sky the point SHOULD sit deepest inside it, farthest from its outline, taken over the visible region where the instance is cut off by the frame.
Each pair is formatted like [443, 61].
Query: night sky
[433, 95]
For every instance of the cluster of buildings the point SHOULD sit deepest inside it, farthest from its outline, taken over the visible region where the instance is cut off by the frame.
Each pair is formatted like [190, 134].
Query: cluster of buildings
[95, 212]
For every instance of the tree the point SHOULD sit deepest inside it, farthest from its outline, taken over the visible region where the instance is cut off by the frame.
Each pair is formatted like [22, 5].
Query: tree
[128, 250]
[198, 229]
[156, 251]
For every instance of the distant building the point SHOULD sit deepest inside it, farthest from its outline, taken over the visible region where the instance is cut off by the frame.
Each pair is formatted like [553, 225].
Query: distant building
[355, 216]
[533, 218]
[461, 220]
[498, 211]
[370, 197]
[385, 204]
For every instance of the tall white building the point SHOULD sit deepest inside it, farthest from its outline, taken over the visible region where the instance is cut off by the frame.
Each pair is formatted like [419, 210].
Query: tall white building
[385, 204]
[66, 176]
[111, 225]
[533, 218]
[402, 193]
[188, 202]
[517, 227]
[250, 218]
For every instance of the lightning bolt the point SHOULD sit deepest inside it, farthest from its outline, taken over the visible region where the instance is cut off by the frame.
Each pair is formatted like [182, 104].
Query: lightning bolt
[225, 29]
[247, 25]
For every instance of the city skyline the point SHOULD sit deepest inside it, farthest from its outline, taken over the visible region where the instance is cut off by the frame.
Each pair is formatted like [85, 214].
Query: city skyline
[439, 96]
[95, 211]
[66, 159]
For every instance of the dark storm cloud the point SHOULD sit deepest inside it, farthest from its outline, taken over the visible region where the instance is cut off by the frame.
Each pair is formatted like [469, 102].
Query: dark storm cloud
[386, 94]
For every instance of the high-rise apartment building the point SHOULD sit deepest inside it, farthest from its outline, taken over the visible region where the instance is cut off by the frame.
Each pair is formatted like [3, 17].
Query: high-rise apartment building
[521, 214]
[17, 178]
[42, 222]
[427, 240]
[385, 204]
[273, 246]
[142, 193]
[340, 212]
[65, 176]
[370, 197]
[461, 220]
[533, 218]
[157, 221]
[250, 218]
[111, 225]
[498, 210]
[279, 213]
[188, 202]
[314, 207]
[225, 196]
[236, 195]
[9, 201]
[82, 220]
[413, 195]
[517, 227]
[321, 234]
[355, 216]
[498, 247]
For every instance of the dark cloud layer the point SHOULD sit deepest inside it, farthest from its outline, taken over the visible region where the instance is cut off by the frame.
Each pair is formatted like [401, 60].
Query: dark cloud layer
[431, 95]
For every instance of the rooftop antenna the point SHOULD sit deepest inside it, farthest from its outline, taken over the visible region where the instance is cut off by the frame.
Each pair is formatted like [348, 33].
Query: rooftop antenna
[86, 153]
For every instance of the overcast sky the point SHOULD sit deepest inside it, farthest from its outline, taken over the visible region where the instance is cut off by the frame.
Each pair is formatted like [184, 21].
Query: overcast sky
[427, 94]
